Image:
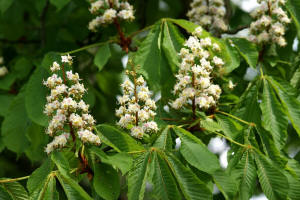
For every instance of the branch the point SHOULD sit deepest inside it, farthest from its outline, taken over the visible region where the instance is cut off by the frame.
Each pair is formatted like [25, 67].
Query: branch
[234, 31]
[13, 179]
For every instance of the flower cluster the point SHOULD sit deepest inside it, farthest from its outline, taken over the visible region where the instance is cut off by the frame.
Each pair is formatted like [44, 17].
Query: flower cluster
[65, 106]
[209, 14]
[109, 10]
[3, 69]
[137, 109]
[270, 24]
[194, 81]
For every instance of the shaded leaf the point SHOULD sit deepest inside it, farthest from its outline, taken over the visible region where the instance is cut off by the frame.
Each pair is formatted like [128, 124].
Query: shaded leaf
[102, 56]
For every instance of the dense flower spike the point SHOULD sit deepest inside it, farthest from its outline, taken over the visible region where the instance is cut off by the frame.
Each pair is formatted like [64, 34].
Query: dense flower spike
[3, 69]
[194, 81]
[209, 14]
[109, 10]
[68, 111]
[270, 24]
[137, 109]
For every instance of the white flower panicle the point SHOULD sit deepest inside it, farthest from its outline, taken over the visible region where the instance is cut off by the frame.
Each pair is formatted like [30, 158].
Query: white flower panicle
[3, 69]
[68, 112]
[270, 24]
[109, 10]
[194, 81]
[208, 14]
[137, 109]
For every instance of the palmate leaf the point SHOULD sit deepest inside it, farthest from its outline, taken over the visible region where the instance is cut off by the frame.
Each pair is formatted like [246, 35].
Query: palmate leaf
[72, 189]
[273, 117]
[244, 172]
[102, 56]
[290, 104]
[230, 127]
[163, 181]
[13, 191]
[61, 162]
[225, 183]
[117, 139]
[273, 182]
[294, 179]
[191, 187]
[47, 190]
[293, 7]
[138, 176]
[196, 153]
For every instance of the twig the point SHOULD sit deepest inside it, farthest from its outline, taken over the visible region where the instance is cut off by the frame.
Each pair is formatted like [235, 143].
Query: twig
[234, 31]
[234, 117]
[13, 179]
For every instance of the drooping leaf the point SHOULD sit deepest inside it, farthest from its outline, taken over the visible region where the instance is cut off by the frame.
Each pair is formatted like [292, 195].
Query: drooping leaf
[247, 50]
[293, 7]
[163, 181]
[15, 125]
[290, 104]
[225, 183]
[72, 189]
[13, 190]
[5, 100]
[273, 117]
[35, 99]
[273, 182]
[138, 176]
[106, 181]
[191, 187]
[102, 56]
[245, 174]
[196, 153]
[117, 139]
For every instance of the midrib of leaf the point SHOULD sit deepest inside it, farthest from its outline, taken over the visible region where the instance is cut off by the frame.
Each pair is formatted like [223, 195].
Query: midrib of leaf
[11, 193]
[162, 178]
[265, 176]
[41, 196]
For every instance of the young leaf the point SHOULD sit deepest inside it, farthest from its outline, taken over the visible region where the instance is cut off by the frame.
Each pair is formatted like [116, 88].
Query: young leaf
[117, 139]
[72, 189]
[196, 153]
[106, 181]
[191, 187]
[273, 117]
[272, 180]
[102, 56]
[13, 190]
[163, 181]
[247, 50]
[138, 176]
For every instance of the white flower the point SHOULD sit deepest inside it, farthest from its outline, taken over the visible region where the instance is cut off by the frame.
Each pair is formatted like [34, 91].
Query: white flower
[231, 85]
[67, 59]
[216, 47]
[151, 104]
[68, 103]
[137, 132]
[55, 67]
[76, 120]
[72, 77]
[140, 81]
[83, 106]
[89, 119]
[218, 61]
[109, 15]
[133, 108]
[126, 14]
[150, 127]
[53, 81]
[198, 31]
[88, 136]
[95, 6]
[3, 71]
[126, 120]
[58, 142]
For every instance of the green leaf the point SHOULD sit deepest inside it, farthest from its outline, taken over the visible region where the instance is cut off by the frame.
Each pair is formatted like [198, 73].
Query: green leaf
[172, 43]
[230, 127]
[61, 162]
[59, 3]
[230, 56]
[225, 183]
[122, 161]
[22, 68]
[35, 99]
[15, 125]
[72, 189]
[163, 181]
[102, 56]
[148, 57]
[5, 4]
[47, 190]
[187, 25]
[164, 141]
[293, 7]
[273, 182]
[106, 181]
[196, 153]
[138, 176]
[5, 100]
[294, 180]
[117, 139]
[191, 187]
[247, 50]
[244, 172]
[290, 104]
[39, 176]
[295, 80]
[210, 125]
[273, 117]
[14, 190]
